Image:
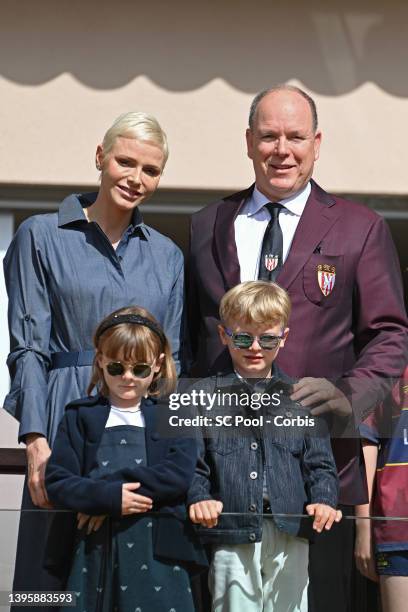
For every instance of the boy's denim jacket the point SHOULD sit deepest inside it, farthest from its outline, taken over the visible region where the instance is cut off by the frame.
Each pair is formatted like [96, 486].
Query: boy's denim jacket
[297, 461]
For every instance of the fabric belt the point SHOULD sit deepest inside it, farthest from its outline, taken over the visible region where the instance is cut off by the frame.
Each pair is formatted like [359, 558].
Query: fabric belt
[68, 359]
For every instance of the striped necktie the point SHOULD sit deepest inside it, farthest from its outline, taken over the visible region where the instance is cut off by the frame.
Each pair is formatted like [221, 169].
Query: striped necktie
[271, 260]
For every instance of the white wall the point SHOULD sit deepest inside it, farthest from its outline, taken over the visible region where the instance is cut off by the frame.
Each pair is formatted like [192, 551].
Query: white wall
[10, 486]
[8, 426]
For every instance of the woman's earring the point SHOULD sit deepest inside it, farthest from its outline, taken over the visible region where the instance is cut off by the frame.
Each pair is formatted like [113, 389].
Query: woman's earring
[98, 167]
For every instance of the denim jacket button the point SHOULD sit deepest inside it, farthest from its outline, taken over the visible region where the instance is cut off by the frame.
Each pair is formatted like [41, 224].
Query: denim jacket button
[288, 413]
[252, 537]
[254, 445]
[253, 475]
[252, 508]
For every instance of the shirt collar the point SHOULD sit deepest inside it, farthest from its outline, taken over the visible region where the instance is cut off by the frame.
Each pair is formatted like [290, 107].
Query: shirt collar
[277, 377]
[273, 375]
[72, 211]
[295, 204]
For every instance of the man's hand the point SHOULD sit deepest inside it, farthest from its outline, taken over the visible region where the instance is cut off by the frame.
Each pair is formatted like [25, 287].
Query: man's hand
[132, 503]
[205, 512]
[37, 453]
[322, 395]
[94, 521]
[324, 516]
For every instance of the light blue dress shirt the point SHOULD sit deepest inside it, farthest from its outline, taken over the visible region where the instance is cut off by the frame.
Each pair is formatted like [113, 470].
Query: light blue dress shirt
[63, 276]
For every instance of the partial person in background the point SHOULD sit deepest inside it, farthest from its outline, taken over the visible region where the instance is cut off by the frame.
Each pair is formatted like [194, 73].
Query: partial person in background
[64, 272]
[381, 548]
[338, 263]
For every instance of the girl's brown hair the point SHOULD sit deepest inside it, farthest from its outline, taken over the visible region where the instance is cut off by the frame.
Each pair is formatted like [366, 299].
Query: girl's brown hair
[132, 342]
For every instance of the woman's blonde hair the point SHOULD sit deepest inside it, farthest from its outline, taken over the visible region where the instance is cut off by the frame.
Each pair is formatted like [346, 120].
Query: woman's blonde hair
[137, 125]
[133, 342]
[256, 302]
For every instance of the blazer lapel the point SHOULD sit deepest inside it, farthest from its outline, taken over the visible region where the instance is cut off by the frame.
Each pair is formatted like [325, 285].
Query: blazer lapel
[318, 217]
[149, 411]
[99, 418]
[225, 249]
[148, 408]
[96, 421]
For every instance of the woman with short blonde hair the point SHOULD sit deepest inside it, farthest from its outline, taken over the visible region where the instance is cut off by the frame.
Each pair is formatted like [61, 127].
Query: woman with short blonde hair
[64, 272]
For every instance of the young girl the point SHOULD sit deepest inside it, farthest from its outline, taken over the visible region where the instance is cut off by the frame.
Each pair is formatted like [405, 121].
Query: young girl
[381, 549]
[108, 460]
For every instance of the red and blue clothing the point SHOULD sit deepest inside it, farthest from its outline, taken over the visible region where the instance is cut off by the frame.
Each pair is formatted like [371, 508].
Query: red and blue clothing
[387, 427]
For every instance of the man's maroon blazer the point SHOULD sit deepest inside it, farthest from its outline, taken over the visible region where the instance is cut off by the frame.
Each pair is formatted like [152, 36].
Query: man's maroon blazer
[357, 333]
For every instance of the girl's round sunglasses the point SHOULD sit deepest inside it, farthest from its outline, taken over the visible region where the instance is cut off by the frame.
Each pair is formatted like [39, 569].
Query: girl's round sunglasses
[244, 340]
[139, 370]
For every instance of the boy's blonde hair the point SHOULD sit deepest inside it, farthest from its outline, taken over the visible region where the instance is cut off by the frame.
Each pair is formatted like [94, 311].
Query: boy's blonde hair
[133, 343]
[256, 302]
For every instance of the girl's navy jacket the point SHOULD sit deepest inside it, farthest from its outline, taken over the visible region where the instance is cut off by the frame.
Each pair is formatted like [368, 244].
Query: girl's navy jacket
[166, 479]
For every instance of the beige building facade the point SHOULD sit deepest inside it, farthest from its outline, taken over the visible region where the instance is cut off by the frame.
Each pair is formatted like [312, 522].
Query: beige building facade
[67, 69]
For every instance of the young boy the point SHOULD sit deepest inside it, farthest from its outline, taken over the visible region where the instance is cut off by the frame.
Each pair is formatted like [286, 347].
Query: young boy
[266, 455]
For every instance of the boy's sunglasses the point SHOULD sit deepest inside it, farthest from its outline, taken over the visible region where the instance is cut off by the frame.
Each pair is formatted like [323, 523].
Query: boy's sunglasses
[244, 340]
[139, 370]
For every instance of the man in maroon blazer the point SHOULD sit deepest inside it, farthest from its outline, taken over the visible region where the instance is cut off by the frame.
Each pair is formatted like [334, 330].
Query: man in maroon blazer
[348, 323]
